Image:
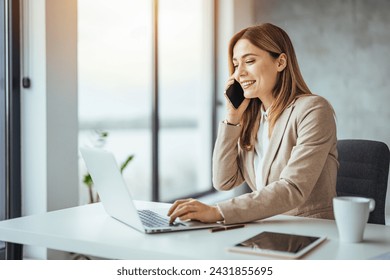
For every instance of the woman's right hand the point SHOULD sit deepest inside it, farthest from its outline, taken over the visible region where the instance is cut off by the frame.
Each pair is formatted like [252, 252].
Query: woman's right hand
[234, 115]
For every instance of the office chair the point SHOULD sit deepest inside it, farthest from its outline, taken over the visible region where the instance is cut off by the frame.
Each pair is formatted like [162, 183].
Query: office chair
[363, 171]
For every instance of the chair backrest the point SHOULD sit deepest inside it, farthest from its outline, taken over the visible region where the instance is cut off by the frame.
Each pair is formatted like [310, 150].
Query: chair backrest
[363, 171]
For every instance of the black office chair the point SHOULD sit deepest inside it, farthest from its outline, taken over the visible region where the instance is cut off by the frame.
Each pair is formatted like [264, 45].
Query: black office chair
[363, 171]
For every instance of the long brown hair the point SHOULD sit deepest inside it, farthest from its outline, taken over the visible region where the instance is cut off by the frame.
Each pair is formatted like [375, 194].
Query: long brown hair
[289, 83]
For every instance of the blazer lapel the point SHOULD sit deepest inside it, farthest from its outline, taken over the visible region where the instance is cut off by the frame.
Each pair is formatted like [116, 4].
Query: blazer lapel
[274, 143]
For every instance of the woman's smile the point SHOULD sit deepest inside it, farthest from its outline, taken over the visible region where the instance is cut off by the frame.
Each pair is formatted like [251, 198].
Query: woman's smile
[247, 84]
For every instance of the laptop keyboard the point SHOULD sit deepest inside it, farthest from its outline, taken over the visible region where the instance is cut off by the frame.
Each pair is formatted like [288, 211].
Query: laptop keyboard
[152, 219]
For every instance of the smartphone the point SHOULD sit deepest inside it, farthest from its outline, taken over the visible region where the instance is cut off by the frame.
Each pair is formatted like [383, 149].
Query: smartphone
[235, 93]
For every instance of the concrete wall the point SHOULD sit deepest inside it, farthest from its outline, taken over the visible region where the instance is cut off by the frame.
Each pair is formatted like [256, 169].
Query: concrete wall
[343, 50]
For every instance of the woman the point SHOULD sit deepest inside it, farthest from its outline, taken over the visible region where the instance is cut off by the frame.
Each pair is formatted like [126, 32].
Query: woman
[281, 140]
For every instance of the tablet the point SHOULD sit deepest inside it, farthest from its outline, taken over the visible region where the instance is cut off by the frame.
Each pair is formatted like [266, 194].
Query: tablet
[275, 244]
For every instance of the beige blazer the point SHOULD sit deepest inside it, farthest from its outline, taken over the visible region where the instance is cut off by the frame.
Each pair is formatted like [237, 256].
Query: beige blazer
[299, 170]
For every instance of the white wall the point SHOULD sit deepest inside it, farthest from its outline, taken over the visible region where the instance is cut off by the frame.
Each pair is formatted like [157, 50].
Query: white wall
[49, 113]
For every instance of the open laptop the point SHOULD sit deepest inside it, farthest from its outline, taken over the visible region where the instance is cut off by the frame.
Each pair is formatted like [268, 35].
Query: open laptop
[118, 202]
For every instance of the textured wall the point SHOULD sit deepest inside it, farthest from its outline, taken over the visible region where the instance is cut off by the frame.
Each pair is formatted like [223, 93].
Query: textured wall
[343, 49]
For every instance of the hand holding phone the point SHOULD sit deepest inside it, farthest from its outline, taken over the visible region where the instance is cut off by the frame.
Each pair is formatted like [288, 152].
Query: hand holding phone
[235, 94]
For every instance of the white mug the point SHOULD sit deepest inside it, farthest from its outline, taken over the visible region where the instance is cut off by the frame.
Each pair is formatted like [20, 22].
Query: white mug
[351, 214]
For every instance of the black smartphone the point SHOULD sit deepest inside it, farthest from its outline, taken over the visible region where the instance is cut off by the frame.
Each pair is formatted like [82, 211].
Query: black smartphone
[235, 93]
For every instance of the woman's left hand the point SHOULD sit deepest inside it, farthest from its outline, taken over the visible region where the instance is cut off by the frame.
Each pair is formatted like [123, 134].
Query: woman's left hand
[191, 209]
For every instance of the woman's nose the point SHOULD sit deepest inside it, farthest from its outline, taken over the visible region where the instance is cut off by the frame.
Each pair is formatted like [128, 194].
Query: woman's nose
[240, 71]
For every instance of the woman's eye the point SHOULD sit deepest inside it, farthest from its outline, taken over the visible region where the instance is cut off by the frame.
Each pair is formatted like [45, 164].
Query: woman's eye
[250, 61]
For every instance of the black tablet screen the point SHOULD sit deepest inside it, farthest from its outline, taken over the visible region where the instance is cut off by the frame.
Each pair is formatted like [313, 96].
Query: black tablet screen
[278, 242]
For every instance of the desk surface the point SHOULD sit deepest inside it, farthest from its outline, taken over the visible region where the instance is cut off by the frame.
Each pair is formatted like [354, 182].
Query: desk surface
[89, 230]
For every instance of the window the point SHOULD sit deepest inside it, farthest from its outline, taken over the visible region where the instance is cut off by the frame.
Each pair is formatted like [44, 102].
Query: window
[115, 46]
[185, 37]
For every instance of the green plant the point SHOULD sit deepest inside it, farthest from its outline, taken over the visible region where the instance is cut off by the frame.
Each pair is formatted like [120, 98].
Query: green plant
[87, 180]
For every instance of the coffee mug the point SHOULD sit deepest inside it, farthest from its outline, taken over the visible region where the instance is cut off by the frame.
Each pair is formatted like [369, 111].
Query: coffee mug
[351, 214]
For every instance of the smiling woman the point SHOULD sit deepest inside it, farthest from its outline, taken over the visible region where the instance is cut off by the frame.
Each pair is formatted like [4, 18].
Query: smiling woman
[262, 69]
[281, 140]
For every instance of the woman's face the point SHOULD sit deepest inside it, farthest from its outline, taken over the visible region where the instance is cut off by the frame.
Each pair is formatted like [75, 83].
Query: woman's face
[255, 69]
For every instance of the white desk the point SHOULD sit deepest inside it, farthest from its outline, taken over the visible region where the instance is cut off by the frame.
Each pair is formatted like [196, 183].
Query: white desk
[89, 230]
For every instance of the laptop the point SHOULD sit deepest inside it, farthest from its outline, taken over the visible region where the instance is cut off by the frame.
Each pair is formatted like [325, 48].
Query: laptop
[118, 202]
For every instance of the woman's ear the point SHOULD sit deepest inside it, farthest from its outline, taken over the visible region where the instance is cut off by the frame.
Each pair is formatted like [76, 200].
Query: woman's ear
[281, 62]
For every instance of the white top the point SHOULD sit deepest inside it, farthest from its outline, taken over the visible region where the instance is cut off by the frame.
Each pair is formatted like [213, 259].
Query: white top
[261, 146]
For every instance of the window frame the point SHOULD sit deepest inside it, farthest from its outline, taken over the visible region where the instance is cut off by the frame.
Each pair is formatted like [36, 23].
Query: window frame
[10, 142]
